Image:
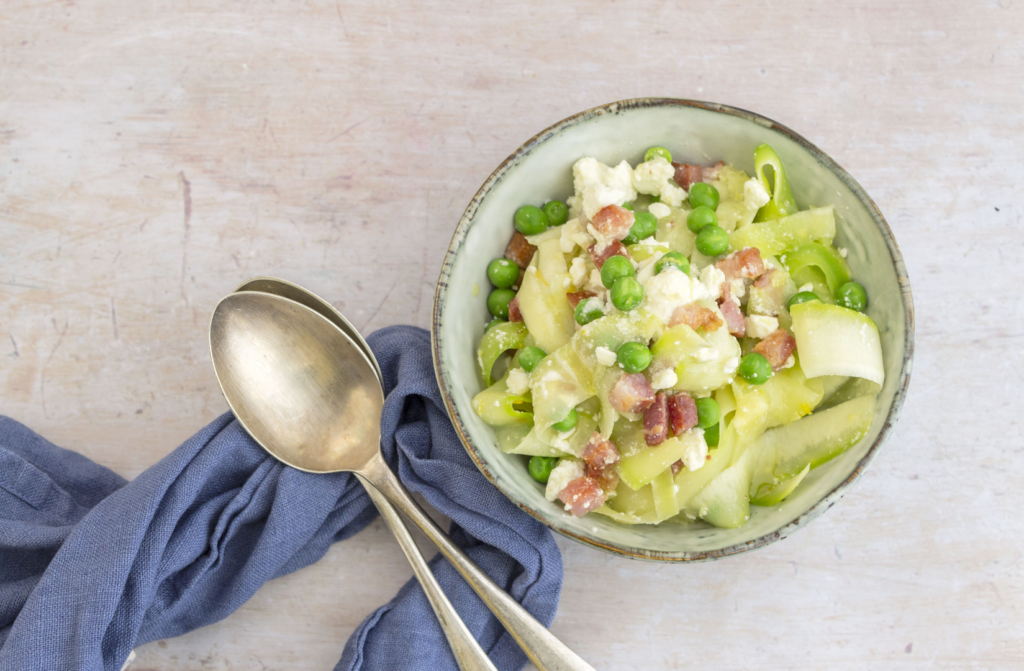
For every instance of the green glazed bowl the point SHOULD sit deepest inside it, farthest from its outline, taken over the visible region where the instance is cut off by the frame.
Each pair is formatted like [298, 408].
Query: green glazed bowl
[695, 132]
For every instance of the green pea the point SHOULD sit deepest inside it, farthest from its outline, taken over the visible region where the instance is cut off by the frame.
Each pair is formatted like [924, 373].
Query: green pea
[634, 357]
[569, 423]
[649, 226]
[711, 435]
[658, 151]
[627, 206]
[852, 295]
[540, 468]
[674, 260]
[703, 195]
[700, 217]
[644, 225]
[529, 357]
[627, 294]
[712, 241]
[531, 220]
[502, 273]
[588, 310]
[614, 268]
[708, 412]
[802, 297]
[754, 368]
[494, 322]
[556, 212]
[498, 302]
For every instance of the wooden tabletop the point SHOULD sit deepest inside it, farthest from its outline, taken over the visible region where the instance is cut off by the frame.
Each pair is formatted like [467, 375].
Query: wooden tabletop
[152, 157]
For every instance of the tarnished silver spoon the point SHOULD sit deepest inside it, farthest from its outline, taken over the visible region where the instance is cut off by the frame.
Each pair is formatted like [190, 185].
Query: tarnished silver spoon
[303, 391]
[468, 653]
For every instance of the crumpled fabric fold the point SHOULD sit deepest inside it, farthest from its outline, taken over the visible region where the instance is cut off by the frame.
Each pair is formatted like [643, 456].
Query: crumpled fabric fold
[92, 566]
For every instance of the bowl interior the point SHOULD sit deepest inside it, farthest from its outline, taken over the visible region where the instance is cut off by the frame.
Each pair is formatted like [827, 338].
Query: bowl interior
[695, 133]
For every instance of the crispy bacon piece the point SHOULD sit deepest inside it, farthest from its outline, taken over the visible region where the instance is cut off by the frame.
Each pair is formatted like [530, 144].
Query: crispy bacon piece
[582, 495]
[711, 174]
[608, 479]
[632, 393]
[613, 221]
[777, 347]
[601, 455]
[676, 467]
[577, 297]
[514, 315]
[687, 174]
[614, 248]
[682, 412]
[745, 263]
[765, 279]
[519, 250]
[695, 316]
[656, 420]
[733, 316]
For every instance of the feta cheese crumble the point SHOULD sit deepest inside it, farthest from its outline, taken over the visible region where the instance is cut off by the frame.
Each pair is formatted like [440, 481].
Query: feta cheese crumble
[754, 193]
[738, 287]
[598, 186]
[696, 454]
[670, 289]
[664, 379]
[565, 472]
[518, 381]
[605, 356]
[731, 364]
[578, 271]
[759, 326]
[660, 210]
[650, 175]
[712, 278]
[655, 178]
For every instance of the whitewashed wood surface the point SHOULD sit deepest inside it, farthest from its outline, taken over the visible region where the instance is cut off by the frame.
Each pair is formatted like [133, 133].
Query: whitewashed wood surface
[155, 154]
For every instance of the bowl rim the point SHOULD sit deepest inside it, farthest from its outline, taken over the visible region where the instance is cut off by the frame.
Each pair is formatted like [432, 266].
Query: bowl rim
[815, 510]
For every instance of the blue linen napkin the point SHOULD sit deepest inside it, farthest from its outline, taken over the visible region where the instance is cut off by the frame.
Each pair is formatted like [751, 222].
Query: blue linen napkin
[92, 566]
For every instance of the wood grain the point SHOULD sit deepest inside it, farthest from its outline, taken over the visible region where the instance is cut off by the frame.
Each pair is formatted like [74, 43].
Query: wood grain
[154, 155]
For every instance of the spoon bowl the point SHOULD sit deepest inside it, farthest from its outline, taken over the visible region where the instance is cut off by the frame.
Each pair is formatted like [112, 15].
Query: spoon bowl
[306, 394]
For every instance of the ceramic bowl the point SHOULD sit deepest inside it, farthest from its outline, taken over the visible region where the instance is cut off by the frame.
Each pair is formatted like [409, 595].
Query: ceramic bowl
[695, 132]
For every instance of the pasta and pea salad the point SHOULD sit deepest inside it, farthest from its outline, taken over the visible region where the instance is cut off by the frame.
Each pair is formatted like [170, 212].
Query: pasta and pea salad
[676, 341]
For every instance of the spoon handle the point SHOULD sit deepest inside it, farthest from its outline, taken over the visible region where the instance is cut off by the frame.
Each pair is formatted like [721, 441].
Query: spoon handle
[468, 653]
[540, 645]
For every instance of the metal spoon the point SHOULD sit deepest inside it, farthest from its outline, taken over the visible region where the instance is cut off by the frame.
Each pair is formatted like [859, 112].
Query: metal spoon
[468, 653]
[296, 383]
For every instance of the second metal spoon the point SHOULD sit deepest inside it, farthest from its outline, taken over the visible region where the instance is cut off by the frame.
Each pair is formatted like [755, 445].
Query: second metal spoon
[468, 653]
